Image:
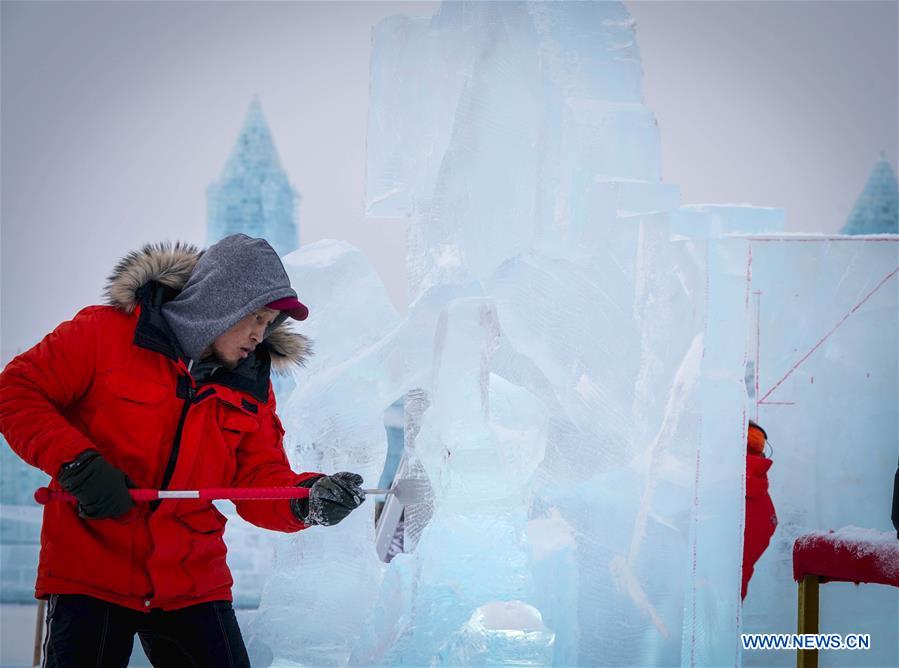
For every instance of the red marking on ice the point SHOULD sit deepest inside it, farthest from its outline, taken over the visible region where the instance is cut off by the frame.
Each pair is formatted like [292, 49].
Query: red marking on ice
[748, 275]
[832, 330]
[758, 345]
[693, 579]
[746, 304]
[820, 239]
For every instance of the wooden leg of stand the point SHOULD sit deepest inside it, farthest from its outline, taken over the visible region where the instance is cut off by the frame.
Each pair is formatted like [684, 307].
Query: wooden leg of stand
[39, 632]
[808, 619]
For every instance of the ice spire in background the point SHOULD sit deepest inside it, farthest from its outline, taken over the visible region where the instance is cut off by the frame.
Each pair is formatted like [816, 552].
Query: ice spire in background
[876, 210]
[253, 195]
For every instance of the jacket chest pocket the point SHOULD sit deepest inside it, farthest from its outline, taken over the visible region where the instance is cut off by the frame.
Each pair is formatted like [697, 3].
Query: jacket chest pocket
[234, 424]
[132, 421]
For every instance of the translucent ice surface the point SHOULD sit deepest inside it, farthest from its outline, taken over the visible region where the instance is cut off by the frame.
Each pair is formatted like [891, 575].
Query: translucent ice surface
[824, 385]
[501, 634]
[349, 307]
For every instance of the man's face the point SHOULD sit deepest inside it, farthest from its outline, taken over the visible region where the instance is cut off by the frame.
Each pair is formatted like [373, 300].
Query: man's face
[239, 341]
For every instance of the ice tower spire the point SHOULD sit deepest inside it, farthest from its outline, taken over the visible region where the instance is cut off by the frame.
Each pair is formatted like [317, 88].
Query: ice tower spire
[877, 209]
[253, 194]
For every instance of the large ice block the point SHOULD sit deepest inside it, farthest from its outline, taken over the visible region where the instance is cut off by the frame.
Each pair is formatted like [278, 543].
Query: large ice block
[589, 50]
[516, 107]
[823, 375]
[707, 221]
[501, 633]
[419, 68]
[618, 140]
[349, 307]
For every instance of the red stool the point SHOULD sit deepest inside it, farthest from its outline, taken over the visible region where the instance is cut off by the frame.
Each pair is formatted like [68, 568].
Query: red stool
[848, 555]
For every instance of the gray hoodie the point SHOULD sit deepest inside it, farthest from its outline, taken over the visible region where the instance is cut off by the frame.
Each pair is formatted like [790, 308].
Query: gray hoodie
[232, 278]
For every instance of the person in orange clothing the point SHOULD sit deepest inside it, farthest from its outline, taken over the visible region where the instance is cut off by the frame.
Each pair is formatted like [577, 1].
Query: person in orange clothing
[761, 520]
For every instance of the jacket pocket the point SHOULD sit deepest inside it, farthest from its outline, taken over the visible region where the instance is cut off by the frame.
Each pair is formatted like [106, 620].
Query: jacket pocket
[234, 424]
[133, 422]
[205, 562]
[135, 389]
[98, 553]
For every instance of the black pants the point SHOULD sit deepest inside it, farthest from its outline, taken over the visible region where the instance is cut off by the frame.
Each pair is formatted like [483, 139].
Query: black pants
[84, 631]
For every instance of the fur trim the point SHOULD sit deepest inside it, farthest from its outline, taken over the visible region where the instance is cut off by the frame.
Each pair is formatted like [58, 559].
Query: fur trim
[288, 349]
[172, 264]
[167, 263]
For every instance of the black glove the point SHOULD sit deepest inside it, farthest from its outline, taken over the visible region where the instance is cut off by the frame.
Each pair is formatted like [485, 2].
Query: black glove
[331, 498]
[101, 488]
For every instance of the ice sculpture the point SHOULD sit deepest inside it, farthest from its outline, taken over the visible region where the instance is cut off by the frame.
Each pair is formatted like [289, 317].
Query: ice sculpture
[877, 209]
[480, 445]
[576, 365]
[253, 195]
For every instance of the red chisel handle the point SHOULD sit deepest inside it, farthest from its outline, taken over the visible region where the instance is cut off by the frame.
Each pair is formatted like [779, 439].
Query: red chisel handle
[44, 494]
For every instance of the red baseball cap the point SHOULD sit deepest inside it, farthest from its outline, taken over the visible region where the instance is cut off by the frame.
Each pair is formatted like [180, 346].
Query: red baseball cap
[291, 306]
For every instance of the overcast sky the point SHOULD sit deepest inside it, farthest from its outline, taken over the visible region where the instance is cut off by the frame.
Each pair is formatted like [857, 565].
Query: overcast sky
[116, 117]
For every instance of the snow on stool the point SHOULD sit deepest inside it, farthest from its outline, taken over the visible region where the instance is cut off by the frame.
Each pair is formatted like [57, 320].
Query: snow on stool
[850, 554]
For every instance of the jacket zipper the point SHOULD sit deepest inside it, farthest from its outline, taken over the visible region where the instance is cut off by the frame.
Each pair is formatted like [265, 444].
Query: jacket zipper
[176, 443]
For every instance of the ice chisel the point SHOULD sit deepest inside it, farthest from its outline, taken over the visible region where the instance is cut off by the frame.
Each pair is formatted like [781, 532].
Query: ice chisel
[406, 492]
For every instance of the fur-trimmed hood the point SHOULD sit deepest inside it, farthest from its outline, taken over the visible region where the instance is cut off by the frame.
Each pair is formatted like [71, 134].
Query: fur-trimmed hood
[171, 265]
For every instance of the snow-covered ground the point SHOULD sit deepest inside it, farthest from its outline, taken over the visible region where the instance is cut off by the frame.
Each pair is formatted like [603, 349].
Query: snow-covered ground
[17, 625]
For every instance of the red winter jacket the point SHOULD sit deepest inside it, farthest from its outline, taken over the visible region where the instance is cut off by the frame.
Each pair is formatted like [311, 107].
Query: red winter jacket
[761, 520]
[111, 380]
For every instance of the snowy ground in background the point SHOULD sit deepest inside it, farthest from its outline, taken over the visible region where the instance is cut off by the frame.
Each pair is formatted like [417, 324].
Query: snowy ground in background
[17, 635]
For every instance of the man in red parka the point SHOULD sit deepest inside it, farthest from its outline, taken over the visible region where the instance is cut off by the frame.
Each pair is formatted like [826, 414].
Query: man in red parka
[167, 387]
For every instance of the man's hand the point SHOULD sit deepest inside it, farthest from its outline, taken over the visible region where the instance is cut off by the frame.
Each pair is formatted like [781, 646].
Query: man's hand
[331, 499]
[101, 488]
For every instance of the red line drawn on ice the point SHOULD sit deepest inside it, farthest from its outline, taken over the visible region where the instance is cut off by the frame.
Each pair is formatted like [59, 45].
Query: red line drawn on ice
[827, 336]
[758, 345]
[693, 579]
[815, 240]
